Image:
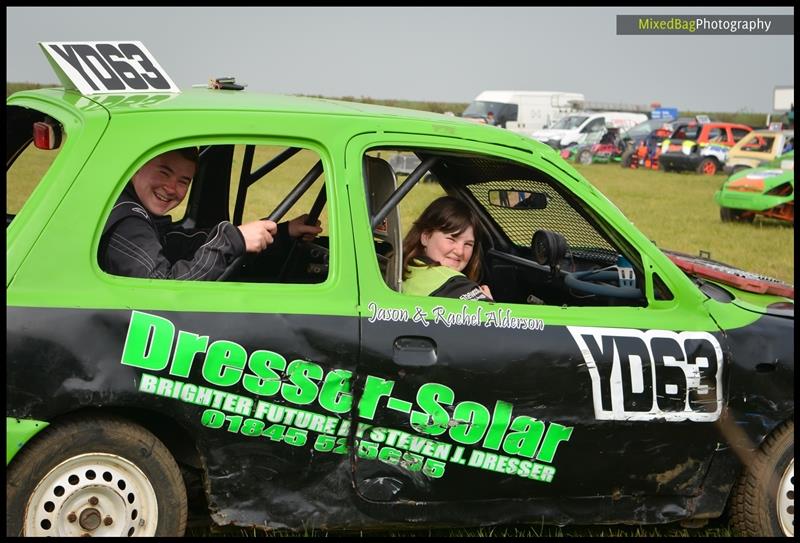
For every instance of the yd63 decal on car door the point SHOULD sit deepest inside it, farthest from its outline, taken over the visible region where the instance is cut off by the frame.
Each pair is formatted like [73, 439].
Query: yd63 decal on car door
[655, 374]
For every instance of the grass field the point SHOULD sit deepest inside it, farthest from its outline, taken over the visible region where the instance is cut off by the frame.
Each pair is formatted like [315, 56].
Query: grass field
[677, 211]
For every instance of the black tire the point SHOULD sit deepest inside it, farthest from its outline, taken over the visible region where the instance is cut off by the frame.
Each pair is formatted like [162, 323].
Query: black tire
[735, 215]
[584, 157]
[96, 468]
[765, 486]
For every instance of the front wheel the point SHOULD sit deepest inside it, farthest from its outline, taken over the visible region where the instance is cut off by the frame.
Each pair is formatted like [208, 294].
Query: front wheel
[584, 157]
[707, 166]
[99, 476]
[735, 215]
[763, 500]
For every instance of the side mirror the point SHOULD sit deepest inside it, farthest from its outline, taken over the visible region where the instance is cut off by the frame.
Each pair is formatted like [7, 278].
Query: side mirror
[518, 199]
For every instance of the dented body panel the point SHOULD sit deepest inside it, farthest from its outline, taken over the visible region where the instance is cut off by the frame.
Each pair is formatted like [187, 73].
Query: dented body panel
[592, 472]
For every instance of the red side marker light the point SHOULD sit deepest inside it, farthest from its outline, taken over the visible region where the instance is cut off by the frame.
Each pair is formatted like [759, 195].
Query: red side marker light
[46, 136]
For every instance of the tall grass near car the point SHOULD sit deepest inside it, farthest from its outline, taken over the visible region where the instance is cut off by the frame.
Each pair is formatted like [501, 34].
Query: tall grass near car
[716, 528]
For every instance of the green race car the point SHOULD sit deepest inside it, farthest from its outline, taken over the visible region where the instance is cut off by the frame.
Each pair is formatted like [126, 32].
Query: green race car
[607, 382]
[766, 191]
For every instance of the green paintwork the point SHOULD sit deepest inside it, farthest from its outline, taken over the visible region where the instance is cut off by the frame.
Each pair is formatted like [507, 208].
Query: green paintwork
[18, 433]
[754, 301]
[70, 189]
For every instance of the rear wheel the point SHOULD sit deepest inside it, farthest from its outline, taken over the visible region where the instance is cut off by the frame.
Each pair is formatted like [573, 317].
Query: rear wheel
[735, 215]
[584, 157]
[98, 476]
[763, 500]
[707, 166]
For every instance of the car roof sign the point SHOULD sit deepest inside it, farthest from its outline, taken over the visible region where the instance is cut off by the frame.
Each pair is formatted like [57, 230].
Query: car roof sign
[105, 67]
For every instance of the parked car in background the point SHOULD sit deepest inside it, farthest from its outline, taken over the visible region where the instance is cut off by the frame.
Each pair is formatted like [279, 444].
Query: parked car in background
[757, 148]
[700, 145]
[605, 148]
[767, 191]
[642, 143]
[405, 163]
[570, 129]
[521, 111]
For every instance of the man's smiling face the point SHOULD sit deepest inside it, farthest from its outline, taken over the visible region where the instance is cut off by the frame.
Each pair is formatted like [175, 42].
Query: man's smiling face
[163, 182]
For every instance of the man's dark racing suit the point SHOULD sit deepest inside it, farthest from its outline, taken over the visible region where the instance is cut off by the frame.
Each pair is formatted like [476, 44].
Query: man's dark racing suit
[136, 244]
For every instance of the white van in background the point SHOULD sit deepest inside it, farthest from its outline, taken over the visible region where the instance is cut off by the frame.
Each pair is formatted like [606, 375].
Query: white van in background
[521, 111]
[572, 128]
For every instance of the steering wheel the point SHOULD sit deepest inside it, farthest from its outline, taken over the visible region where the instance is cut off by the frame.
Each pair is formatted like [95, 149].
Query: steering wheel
[315, 250]
[313, 216]
[594, 282]
[237, 262]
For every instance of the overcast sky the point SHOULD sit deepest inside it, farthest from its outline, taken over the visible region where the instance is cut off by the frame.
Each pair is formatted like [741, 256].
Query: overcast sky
[434, 54]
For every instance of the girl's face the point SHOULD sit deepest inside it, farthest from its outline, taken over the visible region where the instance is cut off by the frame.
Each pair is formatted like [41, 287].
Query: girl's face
[451, 250]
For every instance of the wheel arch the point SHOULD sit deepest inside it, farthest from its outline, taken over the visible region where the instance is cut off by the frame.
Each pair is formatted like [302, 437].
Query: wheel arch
[178, 440]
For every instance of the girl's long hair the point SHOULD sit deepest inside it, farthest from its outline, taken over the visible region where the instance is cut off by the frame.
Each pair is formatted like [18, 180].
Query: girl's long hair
[450, 216]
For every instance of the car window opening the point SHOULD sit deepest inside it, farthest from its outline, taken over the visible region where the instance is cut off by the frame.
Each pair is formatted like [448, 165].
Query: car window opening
[515, 205]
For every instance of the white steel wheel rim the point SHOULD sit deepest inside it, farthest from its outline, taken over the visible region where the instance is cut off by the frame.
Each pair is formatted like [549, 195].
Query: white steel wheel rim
[785, 501]
[95, 494]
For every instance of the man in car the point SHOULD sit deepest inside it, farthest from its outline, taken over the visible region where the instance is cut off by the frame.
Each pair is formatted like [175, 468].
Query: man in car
[139, 240]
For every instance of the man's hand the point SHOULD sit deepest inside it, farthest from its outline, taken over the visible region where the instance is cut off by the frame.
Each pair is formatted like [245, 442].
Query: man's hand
[299, 229]
[258, 235]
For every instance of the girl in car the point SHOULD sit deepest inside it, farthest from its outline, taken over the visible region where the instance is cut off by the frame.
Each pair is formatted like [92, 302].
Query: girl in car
[441, 254]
